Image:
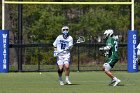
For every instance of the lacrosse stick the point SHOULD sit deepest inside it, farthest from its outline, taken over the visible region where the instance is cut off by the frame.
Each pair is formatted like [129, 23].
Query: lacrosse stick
[80, 39]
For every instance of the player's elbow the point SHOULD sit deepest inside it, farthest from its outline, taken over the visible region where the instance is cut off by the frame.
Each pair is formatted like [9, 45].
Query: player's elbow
[55, 48]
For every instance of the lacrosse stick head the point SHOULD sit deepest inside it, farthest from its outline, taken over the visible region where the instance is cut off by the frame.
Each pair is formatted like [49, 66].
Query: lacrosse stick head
[81, 39]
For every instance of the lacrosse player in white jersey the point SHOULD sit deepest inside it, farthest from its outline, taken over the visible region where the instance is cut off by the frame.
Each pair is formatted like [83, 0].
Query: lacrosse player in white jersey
[62, 46]
[138, 47]
[138, 53]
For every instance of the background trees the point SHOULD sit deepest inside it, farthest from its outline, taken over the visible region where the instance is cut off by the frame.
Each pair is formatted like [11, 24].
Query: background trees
[42, 23]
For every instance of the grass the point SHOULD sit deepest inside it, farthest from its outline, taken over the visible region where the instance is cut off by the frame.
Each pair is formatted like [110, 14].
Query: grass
[83, 82]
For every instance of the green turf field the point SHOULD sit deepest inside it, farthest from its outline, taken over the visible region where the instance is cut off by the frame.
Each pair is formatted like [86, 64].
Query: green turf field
[83, 82]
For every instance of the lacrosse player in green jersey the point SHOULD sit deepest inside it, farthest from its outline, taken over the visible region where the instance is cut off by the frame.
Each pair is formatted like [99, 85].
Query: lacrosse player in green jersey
[111, 50]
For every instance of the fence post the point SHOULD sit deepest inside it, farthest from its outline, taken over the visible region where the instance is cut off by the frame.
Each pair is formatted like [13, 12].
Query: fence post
[78, 59]
[38, 58]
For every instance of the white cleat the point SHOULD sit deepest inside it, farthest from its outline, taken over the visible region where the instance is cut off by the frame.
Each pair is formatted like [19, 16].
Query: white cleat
[113, 81]
[117, 82]
[61, 83]
[68, 82]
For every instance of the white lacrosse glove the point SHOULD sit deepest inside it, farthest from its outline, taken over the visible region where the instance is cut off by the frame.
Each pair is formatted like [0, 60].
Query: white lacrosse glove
[106, 54]
[55, 53]
[67, 49]
[101, 48]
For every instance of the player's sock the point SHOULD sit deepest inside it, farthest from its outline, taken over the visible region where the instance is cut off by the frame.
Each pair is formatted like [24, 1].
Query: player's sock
[60, 78]
[67, 77]
[67, 80]
[114, 78]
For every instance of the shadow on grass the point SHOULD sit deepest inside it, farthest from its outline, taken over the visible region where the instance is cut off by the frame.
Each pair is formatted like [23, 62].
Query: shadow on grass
[118, 85]
[71, 84]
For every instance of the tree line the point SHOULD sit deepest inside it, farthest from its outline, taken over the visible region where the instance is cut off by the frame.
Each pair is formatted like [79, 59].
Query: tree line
[43, 23]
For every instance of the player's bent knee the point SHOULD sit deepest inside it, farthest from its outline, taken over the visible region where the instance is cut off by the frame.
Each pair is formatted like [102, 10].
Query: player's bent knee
[106, 67]
[67, 67]
[60, 70]
[106, 70]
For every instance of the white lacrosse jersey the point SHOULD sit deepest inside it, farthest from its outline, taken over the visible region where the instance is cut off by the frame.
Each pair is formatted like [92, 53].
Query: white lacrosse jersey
[61, 44]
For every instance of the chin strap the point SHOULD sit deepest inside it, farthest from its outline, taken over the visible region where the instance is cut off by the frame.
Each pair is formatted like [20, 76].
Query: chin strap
[65, 35]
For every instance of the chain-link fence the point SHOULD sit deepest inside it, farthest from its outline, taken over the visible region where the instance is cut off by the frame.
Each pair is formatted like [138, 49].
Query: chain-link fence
[84, 57]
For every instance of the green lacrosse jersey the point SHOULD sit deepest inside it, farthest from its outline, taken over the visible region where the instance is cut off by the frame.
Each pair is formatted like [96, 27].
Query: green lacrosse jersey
[112, 56]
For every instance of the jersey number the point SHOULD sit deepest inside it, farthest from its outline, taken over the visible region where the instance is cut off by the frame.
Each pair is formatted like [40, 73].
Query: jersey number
[116, 45]
[63, 45]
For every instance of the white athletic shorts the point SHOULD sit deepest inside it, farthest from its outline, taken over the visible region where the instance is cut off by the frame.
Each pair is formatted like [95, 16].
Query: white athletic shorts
[61, 60]
[107, 66]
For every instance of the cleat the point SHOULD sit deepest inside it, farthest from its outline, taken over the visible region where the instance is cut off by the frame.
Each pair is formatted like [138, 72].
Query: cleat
[61, 83]
[117, 82]
[68, 82]
[113, 81]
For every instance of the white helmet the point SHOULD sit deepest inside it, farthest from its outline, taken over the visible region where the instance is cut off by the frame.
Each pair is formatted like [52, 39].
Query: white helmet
[65, 28]
[65, 31]
[108, 33]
